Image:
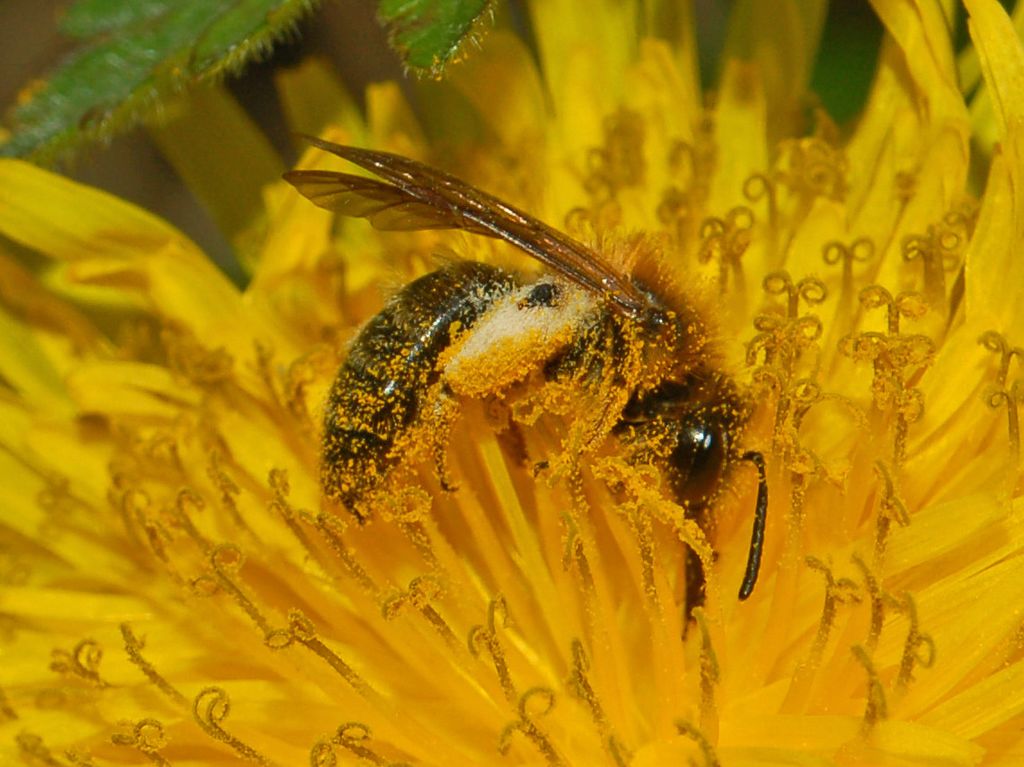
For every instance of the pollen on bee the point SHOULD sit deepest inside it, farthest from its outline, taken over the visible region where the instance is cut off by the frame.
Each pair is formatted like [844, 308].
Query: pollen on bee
[514, 338]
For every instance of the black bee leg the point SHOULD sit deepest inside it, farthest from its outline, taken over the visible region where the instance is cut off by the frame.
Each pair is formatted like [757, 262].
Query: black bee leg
[444, 413]
[757, 534]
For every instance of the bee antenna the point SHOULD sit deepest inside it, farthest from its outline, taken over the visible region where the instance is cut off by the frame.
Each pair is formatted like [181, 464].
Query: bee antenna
[757, 534]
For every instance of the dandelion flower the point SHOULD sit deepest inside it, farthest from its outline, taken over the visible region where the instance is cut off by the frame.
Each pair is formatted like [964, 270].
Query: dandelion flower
[177, 592]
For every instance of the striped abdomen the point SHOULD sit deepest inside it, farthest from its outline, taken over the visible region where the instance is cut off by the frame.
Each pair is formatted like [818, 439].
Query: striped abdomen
[380, 388]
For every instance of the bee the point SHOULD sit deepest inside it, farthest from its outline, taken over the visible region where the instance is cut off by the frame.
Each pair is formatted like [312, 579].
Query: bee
[643, 357]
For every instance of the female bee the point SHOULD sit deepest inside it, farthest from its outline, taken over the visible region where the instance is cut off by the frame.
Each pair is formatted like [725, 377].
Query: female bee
[639, 358]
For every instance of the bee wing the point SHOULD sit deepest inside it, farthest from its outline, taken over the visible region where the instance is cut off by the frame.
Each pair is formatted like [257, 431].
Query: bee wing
[385, 206]
[416, 196]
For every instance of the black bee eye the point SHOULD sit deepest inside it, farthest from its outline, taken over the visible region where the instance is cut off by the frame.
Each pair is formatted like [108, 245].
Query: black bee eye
[698, 459]
[544, 294]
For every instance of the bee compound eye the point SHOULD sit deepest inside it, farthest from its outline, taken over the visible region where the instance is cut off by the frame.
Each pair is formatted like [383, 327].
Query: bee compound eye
[697, 460]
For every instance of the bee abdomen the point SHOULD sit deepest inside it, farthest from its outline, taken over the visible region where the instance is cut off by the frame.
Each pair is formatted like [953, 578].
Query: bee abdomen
[379, 390]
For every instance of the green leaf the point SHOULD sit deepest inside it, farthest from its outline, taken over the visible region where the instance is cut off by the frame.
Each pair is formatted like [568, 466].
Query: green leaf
[133, 56]
[428, 34]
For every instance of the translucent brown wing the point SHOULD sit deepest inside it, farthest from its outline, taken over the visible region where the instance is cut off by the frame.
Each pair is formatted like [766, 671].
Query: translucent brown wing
[416, 196]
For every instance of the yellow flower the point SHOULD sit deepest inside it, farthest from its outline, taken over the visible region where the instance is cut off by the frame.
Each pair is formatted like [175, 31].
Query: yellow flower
[175, 590]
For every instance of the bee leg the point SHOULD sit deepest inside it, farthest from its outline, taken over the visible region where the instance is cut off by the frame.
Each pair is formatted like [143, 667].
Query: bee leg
[444, 413]
[757, 534]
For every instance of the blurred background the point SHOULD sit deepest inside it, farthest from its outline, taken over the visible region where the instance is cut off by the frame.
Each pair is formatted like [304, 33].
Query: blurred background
[346, 32]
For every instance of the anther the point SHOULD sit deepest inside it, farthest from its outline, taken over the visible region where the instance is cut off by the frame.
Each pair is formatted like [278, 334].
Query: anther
[996, 342]
[758, 187]
[907, 304]
[688, 730]
[1011, 398]
[226, 561]
[837, 591]
[527, 726]
[209, 709]
[876, 709]
[580, 687]
[891, 509]
[83, 661]
[860, 250]
[709, 668]
[422, 591]
[146, 735]
[133, 646]
[487, 638]
[810, 289]
[918, 648]
[876, 595]
[301, 629]
[727, 239]
[938, 252]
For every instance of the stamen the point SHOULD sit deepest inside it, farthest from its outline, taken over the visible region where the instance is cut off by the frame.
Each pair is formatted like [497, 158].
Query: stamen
[1012, 399]
[82, 662]
[996, 342]
[710, 757]
[300, 374]
[300, 629]
[186, 505]
[877, 603]
[709, 668]
[918, 649]
[640, 522]
[877, 709]
[280, 487]
[411, 507]
[891, 509]
[210, 708]
[331, 528]
[322, 755]
[727, 239]
[133, 647]
[810, 289]
[422, 590]
[351, 736]
[756, 188]
[895, 359]
[619, 752]
[146, 735]
[528, 727]
[579, 686]
[813, 167]
[782, 340]
[487, 638]
[837, 592]
[131, 503]
[265, 371]
[227, 487]
[619, 163]
[860, 251]
[908, 304]
[226, 560]
[938, 251]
